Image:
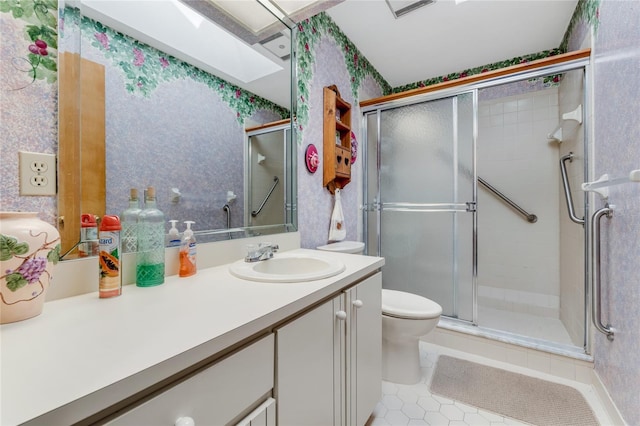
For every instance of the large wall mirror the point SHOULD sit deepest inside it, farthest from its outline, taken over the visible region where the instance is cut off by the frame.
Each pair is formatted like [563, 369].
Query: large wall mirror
[191, 97]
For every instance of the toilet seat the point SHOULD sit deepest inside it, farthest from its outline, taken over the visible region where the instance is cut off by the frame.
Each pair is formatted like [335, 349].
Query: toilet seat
[400, 304]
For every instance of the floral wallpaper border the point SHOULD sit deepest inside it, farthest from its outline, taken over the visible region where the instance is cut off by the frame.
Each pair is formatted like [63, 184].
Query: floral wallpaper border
[41, 30]
[309, 32]
[548, 80]
[144, 67]
[587, 10]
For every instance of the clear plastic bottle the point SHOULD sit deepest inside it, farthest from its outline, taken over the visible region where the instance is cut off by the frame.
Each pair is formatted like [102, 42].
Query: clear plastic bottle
[188, 252]
[88, 236]
[150, 257]
[173, 238]
[129, 220]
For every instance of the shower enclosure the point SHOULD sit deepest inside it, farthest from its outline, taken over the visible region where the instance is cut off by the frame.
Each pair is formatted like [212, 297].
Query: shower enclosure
[266, 159]
[465, 200]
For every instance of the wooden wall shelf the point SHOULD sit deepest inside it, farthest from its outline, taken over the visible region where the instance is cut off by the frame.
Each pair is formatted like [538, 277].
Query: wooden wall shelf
[336, 140]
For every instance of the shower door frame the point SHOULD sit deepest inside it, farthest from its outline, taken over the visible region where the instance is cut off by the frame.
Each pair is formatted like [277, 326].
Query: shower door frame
[557, 68]
[469, 206]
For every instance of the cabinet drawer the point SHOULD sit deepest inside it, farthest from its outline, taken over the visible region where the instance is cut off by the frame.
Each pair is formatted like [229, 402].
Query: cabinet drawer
[215, 396]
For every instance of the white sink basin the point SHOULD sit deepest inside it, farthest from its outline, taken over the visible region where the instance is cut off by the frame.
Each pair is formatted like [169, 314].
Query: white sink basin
[288, 268]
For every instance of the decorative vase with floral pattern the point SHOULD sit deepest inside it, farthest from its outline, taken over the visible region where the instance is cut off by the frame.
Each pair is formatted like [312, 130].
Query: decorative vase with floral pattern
[29, 249]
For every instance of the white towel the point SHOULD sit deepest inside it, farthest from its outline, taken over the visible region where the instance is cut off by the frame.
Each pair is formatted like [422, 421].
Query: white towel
[337, 229]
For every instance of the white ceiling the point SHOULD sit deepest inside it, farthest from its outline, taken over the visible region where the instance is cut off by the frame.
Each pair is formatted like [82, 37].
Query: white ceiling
[445, 37]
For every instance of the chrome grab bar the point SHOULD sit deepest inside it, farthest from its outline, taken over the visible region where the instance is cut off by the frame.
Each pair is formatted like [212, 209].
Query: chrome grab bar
[531, 218]
[567, 189]
[595, 272]
[227, 209]
[275, 183]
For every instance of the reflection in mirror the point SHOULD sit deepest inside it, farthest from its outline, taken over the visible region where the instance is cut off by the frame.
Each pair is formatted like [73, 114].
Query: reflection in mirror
[266, 179]
[159, 108]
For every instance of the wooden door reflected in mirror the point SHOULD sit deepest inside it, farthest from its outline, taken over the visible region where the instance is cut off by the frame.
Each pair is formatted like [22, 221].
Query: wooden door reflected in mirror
[81, 151]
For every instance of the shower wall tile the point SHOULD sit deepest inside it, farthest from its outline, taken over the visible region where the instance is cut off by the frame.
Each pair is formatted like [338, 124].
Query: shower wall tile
[617, 151]
[513, 155]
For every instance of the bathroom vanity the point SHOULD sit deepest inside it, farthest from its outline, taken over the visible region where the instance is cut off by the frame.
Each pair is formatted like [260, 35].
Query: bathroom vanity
[212, 349]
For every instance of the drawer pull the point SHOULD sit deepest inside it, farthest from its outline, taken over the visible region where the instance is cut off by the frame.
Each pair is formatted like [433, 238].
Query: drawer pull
[185, 421]
[358, 303]
[341, 315]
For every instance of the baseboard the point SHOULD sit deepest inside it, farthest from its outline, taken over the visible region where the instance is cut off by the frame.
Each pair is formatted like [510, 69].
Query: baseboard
[607, 403]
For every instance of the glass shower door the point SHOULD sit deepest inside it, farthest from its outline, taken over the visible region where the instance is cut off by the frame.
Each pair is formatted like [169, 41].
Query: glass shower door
[425, 201]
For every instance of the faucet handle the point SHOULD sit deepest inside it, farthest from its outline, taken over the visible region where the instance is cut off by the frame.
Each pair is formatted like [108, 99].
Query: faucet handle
[273, 247]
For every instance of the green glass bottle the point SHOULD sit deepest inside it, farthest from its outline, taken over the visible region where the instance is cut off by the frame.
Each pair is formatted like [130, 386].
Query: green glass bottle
[150, 256]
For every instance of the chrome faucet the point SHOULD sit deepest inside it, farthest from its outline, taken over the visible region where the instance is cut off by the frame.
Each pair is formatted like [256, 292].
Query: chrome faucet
[264, 251]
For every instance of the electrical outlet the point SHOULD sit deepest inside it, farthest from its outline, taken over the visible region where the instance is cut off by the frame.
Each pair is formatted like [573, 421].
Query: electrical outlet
[37, 173]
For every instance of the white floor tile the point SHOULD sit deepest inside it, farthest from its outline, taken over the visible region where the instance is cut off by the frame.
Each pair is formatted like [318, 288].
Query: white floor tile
[415, 405]
[397, 417]
[413, 411]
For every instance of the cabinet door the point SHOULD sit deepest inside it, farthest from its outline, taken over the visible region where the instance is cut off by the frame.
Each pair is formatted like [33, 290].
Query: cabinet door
[310, 368]
[264, 415]
[364, 336]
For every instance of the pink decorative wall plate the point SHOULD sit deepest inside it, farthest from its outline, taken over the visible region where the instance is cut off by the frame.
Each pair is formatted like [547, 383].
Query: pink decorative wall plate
[311, 158]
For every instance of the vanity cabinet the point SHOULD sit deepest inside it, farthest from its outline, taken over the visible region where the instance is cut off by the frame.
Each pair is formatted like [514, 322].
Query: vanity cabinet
[336, 170]
[329, 360]
[218, 395]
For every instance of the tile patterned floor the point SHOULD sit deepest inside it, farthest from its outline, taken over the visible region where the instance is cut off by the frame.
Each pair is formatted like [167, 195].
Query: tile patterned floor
[415, 405]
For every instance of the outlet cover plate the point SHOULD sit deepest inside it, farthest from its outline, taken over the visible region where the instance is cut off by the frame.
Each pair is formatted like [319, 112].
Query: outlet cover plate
[37, 173]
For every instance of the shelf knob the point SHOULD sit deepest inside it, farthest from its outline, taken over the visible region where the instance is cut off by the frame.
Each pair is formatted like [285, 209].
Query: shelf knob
[357, 303]
[341, 315]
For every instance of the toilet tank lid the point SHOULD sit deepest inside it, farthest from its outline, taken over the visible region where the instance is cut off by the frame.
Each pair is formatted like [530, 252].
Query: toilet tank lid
[344, 247]
[401, 304]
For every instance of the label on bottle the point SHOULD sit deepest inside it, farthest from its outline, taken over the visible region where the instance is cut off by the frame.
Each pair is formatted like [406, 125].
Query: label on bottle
[187, 259]
[150, 256]
[110, 283]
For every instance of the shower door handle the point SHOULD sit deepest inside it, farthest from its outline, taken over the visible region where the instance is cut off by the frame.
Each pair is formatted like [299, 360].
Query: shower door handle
[567, 190]
[595, 271]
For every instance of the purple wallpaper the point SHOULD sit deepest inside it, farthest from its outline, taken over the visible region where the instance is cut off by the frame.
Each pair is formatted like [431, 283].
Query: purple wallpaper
[617, 151]
[315, 203]
[28, 118]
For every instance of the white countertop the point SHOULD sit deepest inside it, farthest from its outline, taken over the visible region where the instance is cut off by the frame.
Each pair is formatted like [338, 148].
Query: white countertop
[83, 354]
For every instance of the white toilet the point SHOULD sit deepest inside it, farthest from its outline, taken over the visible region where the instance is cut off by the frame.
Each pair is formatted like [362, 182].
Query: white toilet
[405, 318]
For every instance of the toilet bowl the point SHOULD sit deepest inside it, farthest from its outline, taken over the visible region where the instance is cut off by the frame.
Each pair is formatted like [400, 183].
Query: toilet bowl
[405, 318]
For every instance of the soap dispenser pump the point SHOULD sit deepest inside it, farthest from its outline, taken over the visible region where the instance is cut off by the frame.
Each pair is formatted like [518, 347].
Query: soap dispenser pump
[173, 238]
[187, 252]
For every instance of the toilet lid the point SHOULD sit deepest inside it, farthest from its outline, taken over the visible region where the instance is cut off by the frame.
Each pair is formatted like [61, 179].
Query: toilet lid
[401, 304]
